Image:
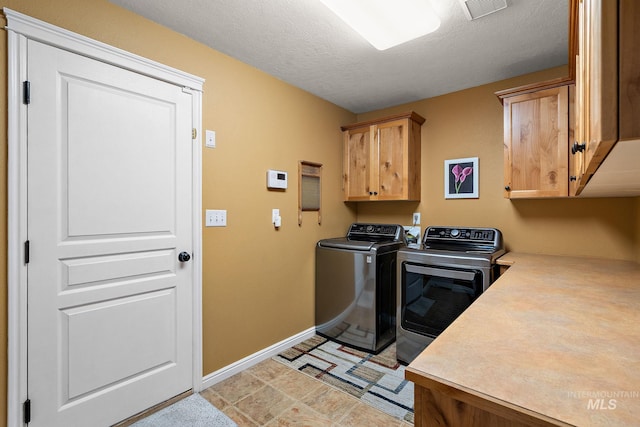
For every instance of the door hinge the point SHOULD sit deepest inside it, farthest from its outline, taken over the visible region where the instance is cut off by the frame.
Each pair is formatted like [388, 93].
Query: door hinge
[194, 133]
[26, 252]
[26, 411]
[26, 92]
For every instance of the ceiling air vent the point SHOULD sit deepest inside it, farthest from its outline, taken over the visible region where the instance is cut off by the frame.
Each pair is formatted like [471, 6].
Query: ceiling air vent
[475, 9]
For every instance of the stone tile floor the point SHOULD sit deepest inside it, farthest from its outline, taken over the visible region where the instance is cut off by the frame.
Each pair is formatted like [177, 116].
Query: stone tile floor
[271, 394]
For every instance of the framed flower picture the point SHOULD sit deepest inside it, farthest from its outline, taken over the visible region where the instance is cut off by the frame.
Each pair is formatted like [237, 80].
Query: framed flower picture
[461, 178]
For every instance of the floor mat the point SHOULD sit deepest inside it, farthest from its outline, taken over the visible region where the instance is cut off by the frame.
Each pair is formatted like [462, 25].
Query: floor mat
[377, 380]
[192, 411]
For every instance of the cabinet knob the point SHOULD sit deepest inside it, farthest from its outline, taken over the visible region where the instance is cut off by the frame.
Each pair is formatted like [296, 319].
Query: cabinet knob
[578, 147]
[507, 188]
[573, 178]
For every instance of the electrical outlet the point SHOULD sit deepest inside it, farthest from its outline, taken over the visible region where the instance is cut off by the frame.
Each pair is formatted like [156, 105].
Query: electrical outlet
[216, 218]
[416, 218]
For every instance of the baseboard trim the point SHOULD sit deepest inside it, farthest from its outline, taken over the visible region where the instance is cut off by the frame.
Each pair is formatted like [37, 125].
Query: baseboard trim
[255, 358]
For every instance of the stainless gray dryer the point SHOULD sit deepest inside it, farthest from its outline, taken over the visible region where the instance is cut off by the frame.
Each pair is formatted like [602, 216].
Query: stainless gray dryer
[437, 282]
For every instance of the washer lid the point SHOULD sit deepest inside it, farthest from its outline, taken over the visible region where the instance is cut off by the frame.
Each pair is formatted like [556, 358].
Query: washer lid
[344, 243]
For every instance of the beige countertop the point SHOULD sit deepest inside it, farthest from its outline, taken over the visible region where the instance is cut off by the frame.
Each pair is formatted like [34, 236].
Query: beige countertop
[558, 337]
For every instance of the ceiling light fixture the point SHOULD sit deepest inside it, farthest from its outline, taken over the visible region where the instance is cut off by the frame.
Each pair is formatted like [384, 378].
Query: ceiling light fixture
[385, 23]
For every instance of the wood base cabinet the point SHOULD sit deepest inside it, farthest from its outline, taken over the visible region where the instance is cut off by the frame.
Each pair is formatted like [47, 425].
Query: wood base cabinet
[382, 159]
[446, 406]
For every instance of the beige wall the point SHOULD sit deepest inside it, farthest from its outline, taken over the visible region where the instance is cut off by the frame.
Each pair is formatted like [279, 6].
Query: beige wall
[469, 123]
[258, 281]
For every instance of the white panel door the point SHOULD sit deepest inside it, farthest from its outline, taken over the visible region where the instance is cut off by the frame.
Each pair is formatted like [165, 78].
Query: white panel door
[109, 211]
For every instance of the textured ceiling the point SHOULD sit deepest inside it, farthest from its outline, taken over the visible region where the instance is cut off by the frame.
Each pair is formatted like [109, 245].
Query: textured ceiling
[302, 43]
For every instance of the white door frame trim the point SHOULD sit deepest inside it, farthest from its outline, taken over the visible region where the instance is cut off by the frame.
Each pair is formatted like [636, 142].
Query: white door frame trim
[21, 28]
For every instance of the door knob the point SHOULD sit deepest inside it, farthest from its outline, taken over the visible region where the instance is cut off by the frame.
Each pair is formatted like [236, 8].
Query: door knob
[184, 257]
[576, 148]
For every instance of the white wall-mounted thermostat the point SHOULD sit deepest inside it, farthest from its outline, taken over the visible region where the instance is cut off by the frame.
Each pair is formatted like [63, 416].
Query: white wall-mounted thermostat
[276, 179]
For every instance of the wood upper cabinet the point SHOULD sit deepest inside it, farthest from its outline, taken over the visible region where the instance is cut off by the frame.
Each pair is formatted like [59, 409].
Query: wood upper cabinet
[596, 85]
[603, 109]
[607, 79]
[536, 138]
[382, 159]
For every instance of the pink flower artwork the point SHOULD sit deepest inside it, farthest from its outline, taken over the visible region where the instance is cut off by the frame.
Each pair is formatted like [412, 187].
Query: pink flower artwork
[460, 175]
[461, 178]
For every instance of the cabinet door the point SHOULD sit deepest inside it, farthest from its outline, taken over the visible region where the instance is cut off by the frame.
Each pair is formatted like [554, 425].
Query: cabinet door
[629, 70]
[391, 174]
[536, 140]
[357, 160]
[598, 45]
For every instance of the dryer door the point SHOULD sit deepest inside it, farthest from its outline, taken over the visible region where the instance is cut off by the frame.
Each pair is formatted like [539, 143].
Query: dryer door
[433, 297]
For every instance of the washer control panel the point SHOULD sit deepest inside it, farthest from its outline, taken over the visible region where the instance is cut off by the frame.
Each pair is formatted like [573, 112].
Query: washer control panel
[375, 232]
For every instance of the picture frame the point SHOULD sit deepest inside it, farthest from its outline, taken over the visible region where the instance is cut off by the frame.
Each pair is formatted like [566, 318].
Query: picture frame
[461, 177]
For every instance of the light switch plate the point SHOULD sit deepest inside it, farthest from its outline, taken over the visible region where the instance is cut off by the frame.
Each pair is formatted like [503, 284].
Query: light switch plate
[215, 218]
[210, 138]
[416, 218]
